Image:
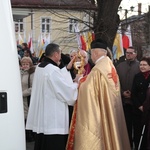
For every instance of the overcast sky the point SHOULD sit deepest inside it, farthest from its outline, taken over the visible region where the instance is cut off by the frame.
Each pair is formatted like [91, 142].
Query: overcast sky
[126, 4]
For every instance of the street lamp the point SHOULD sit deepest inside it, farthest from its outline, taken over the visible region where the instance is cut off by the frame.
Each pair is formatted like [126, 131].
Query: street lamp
[131, 8]
[126, 12]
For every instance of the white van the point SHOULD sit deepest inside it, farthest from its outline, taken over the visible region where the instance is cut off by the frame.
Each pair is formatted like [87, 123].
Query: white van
[12, 130]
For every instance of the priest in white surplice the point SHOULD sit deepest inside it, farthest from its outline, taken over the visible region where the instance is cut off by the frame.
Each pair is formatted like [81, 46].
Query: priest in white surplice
[53, 90]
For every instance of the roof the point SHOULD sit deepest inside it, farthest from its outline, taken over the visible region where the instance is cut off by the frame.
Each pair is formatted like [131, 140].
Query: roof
[53, 4]
[133, 19]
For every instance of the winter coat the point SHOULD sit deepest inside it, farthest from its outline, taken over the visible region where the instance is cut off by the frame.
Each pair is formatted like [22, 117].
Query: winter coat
[26, 80]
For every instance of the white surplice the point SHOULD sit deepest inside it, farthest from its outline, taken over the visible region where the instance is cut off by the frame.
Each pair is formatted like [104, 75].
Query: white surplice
[53, 90]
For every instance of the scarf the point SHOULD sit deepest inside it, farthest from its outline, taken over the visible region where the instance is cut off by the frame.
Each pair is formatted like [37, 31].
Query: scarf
[146, 74]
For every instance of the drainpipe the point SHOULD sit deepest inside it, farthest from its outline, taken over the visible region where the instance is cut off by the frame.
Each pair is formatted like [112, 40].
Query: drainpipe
[31, 19]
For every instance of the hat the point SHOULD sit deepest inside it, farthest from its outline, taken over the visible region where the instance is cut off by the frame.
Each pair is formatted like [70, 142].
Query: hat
[99, 43]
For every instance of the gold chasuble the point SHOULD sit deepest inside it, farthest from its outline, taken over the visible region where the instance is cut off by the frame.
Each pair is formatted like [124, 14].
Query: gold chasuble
[98, 121]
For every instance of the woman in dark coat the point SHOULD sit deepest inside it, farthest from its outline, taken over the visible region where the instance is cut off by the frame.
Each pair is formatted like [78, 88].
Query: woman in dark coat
[146, 111]
[139, 90]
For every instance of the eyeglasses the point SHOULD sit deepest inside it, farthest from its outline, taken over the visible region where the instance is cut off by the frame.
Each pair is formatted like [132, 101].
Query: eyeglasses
[131, 53]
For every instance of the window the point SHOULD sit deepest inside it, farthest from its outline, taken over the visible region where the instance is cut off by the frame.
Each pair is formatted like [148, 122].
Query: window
[45, 23]
[72, 25]
[19, 26]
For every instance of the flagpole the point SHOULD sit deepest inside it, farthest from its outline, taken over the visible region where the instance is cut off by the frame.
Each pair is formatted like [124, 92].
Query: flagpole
[31, 34]
[18, 31]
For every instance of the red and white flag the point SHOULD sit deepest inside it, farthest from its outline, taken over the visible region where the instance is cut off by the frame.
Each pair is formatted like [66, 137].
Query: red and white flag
[30, 43]
[83, 42]
[127, 38]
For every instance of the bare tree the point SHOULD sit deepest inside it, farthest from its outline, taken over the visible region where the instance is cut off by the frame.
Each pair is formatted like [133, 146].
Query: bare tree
[106, 20]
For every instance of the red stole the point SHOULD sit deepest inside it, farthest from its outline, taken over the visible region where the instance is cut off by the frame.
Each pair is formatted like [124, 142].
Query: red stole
[70, 141]
[87, 68]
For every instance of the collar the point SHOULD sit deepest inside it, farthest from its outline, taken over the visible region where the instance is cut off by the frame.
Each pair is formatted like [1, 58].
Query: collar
[47, 61]
[146, 74]
[99, 59]
[130, 61]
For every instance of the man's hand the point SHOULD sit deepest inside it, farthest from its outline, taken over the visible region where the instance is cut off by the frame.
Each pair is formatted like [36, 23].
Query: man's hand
[127, 94]
[69, 66]
[78, 77]
[141, 108]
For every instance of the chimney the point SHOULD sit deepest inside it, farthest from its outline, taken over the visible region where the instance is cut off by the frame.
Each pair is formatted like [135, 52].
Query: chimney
[139, 8]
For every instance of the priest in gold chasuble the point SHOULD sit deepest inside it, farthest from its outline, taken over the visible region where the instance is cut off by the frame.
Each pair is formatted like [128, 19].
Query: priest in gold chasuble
[98, 121]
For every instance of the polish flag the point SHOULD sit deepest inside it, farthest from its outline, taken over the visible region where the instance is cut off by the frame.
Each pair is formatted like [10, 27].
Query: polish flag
[127, 38]
[30, 43]
[83, 42]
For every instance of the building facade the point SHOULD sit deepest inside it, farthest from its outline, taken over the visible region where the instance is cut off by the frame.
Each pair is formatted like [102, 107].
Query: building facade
[52, 21]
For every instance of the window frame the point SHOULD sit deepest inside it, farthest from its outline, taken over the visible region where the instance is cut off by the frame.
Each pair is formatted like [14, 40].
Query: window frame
[19, 26]
[45, 24]
[72, 24]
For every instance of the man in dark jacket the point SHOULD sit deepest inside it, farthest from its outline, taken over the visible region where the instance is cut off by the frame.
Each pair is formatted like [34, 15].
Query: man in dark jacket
[126, 71]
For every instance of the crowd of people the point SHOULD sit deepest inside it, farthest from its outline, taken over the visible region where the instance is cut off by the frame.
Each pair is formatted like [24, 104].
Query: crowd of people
[81, 101]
